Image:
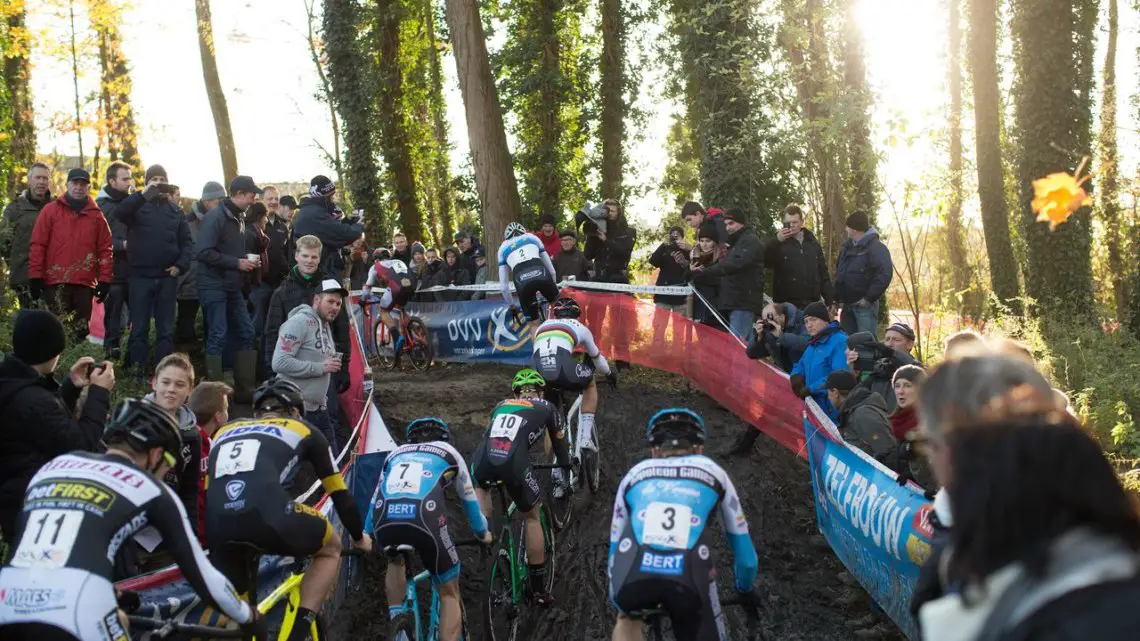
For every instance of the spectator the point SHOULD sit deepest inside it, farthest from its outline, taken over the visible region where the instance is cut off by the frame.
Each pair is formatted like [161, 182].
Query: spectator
[211, 406]
[826, 352]
[862, 275]
[453, 274]
[222, 263]
[36, 412]
[71, 259]
[287, 209]
[570, 263]
[548, 234]
[359, 264]
[276, 267]
[799, 267]
[672, 265]
[962, 340]
[863, 418]
[612, 249]
[432, 277]
[319, 216]
[695, 216]
[904, 423]
[400, 248]
[1045, 538]
[467, 242]
[306, 354]
[705, 255]
[171, 387]
[185, 333]
[879, 361]
[118, 187]
[740, 275]
[257, 243]
[19, 220]
[780, 334]
[160, 249]
[479, 255]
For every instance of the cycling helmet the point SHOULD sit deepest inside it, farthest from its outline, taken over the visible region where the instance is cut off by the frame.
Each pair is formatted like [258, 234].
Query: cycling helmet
[144, 425]
[565, 307]
[277, 392]
[526, 378]
[382, 253]
[422, 430]
[676, 423]
[513, 229]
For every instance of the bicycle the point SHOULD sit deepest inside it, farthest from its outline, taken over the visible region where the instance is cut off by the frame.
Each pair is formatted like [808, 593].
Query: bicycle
[417, 341]
[409, 626]
[507, 580]
[654, 617]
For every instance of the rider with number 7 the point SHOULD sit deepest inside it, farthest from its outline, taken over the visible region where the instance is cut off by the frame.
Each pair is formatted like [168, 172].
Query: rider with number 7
[524, 254]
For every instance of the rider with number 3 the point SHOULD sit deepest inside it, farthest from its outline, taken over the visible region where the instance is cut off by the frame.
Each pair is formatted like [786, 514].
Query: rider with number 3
[524, 255]
[399, 285]
[660, 553]
[409, 508]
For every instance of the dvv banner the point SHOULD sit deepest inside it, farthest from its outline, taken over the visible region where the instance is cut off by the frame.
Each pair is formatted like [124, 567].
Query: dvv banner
[470, 331]
[879, 530]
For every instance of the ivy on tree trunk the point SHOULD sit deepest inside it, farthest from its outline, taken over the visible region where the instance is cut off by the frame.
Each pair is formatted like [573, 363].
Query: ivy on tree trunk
[17, 116]
[860, 150]
[613, 100]
[1109, 206]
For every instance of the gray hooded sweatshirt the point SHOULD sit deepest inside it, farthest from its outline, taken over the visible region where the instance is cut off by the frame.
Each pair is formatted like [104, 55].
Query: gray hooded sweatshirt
[304, 343]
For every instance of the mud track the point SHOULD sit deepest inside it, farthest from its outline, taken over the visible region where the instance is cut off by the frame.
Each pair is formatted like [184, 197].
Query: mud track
[798, 579]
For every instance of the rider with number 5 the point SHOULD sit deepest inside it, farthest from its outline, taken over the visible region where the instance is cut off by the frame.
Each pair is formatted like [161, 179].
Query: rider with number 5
[504, 455]
[660, 553]
[524, 254]
[409, 508]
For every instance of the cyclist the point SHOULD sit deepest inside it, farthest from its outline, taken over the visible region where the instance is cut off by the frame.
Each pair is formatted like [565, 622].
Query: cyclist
[78, 510]
[553, 357]
[659, 544]
[248, 511]
[399, 285]
[524, 254]
[504, 455]
[409, 508]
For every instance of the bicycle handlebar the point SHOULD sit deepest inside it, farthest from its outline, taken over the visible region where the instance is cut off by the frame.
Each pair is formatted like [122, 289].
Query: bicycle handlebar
[165, 627]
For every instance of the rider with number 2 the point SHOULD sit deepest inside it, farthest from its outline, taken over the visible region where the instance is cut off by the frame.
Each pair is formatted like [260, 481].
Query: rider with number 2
[524, 254]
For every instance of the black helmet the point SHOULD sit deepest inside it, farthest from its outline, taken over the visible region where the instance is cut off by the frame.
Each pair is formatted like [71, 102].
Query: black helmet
[675, 424]
[423, 430]
[277, 392]
[565, 307]
[143, 426]
[382, 253]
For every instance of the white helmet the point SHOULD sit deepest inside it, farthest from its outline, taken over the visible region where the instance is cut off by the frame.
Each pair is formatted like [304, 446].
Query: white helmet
[513, 229]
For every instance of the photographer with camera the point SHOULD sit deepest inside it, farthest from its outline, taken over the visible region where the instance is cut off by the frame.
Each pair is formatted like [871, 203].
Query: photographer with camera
[798, 264]
[609, 244]
[877, 362]
[780, 334]
[672, 263]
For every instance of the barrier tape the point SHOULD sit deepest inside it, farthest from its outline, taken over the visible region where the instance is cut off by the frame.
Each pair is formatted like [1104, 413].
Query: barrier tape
[674, 290]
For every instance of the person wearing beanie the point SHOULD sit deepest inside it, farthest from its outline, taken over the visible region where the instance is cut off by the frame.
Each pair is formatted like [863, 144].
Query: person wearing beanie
[826, 353]
[319, 216]
[862, 275]
[156, 171]
[36, 411]
[904, 419]
[548, 234]
[863, 418]
[419, 260]
[705, 254]
[115, 318]
[187, 338]
[740, 274]
[570, 262]
[818, 310]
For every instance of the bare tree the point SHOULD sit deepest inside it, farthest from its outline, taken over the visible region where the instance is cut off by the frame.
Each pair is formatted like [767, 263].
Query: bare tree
[214, 90]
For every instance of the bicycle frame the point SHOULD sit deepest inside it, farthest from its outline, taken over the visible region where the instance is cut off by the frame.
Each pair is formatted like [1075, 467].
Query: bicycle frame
[412, 605]
[504, 520]
[573, 420]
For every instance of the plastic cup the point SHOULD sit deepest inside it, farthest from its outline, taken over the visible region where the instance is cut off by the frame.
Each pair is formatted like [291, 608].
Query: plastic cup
[253, 258]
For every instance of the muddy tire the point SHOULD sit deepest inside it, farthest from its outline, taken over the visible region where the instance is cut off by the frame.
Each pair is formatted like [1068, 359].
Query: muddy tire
[501, 611]
[422, 353]
[383, 349]
[404, 628]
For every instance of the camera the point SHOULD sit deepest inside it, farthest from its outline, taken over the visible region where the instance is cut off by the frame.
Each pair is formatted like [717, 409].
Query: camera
[592, 218]
[865, 345]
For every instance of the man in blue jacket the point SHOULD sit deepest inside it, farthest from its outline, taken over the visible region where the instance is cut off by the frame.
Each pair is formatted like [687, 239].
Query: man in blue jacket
[118, 187]
[826, 352]
[862, 275]
[319, 216]
[158, 251]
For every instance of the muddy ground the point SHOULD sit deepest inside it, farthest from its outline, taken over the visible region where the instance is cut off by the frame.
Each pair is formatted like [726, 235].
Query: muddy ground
[800, 580]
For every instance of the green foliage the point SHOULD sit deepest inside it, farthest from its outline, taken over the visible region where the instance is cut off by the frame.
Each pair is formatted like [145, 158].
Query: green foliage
[7, 162]
[681, 180]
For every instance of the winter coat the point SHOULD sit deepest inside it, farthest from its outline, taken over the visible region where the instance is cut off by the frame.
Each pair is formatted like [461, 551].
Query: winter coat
[457, 275]
[480, 279]
[405, 255]
[789, 346]
[799, 270]
[826, 352]
[467, 258]
[188, 280]
[185, 483]
[71, 248]
[304, 343]
[740, 272]
[552, 243]
[36, 415]
[19, 220]
[277, 266]
[864, 270]
[430, 277]
[669, 272]
[611, 256]
[297, 290]
[158, 237]
[256, 242]
[709, 289]
[881, 377]
[108, 200]
[315, 217]
[863, 423]
[571, 263]
[220, 245]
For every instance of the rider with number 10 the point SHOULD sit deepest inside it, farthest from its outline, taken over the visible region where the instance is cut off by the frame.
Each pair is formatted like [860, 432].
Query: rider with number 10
[523, 257]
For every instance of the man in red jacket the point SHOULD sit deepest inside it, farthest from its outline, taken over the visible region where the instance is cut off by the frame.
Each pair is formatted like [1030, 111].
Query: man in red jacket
[70, 258]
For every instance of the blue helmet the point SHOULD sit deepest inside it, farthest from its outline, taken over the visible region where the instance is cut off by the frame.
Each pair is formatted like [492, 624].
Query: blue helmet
[674, 424]
[423, 430]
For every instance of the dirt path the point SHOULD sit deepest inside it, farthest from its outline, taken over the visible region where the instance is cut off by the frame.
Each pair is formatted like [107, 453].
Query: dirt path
[798, 579]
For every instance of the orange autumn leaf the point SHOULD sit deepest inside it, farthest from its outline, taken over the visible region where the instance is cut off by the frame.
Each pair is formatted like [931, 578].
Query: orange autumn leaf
[1057, 196]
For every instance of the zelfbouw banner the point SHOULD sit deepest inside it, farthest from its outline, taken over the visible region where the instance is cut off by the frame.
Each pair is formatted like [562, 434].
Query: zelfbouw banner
[879, 530]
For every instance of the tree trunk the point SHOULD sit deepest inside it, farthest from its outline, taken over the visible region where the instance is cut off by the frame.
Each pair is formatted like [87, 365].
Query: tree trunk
[857, 129]
[1109, 182]
[17, 79]
[494, 172]
[960, 276]
[75, 84]
[214, 90]
[982, 45]
[115, 82]
[393, 119]
[441, 171]
[1053, 49]
[613, 99]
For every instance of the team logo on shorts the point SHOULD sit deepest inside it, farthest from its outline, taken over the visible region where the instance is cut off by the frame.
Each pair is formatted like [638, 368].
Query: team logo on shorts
[234, 489]
[583, 370]
[625, 545]
[429, 506]
[703, 552]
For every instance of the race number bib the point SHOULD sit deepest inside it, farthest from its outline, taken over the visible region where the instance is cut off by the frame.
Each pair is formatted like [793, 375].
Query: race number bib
[506, 426]
[48, 538]
[405, 478]
[667, 525]
[398, 267]
[521, 255]
[235, 457]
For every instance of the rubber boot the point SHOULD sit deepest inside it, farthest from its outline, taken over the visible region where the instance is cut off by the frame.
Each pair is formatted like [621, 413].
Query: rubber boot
[245, 376]
[214, 368]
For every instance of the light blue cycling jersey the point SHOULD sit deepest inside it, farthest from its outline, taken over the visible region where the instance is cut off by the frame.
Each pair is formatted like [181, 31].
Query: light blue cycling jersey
[421, 471]
[667, 503]
[526, 252]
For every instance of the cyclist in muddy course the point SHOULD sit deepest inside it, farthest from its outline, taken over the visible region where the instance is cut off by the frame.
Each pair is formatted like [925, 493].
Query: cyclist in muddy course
[660, 553]
[504, 455]
[409, 508]
[554, 344]
[247, 507]
[79, 509]
[399, 285]
[524, 255]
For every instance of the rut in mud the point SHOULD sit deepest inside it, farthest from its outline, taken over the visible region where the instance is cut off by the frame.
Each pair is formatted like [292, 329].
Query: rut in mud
[799, 580]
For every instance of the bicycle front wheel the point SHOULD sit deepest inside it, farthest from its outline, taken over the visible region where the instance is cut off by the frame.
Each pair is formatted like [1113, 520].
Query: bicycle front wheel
[501, 607]
[420, 349]
[385, 350]
[403, 628]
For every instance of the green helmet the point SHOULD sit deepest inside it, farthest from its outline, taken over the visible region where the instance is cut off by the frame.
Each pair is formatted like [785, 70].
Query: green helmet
[527, 377]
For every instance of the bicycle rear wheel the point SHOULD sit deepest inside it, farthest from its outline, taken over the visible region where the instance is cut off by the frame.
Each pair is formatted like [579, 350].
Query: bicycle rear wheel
[547, 548]
[501, 607]
[420, 351]
[559, 509]
[385, 350]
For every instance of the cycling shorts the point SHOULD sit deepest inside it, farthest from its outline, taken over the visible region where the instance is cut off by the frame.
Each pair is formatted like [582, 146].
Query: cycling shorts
[531, 278]
[425, 530]
[563, 371]
[58, 604]
[680, 582]
[36, 632]
[514, 472]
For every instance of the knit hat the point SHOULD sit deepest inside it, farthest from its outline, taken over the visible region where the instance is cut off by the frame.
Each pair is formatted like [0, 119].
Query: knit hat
[735, 215]
[912, 373]
[547, 219]
[902, 328]
[321, 187]
[155, 170]
[37, 336]
[691, 208]
[817, 310]
[859, 221]
[708, 230]
[418, 247]
[842, 380]
[568, 232]
[288, 201]
[213, 191]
